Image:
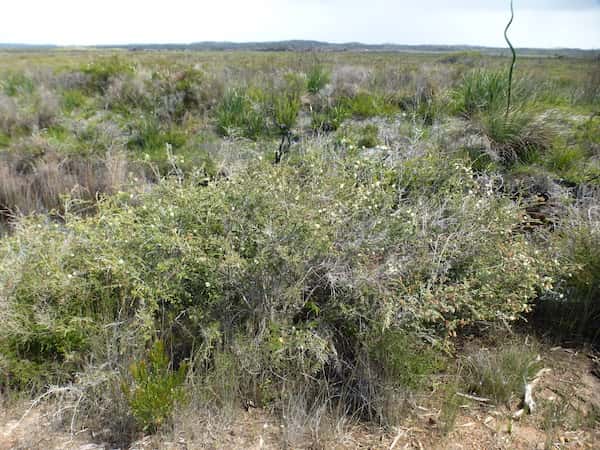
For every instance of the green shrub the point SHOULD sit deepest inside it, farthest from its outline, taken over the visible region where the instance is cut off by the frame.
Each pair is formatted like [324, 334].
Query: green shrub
[73, 99]
[369, 136]
[101, 72]
[317, 78]
[156, 389]
[573, 310]
[17, 84]
[404, 360]
[293, 267]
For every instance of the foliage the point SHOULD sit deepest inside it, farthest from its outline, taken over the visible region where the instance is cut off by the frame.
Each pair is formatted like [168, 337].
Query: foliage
[330, 119]
[286, 243]
[317, 78]
[240, 113]
[573, 310]
[285, 110]
[156, 389]
[516, 137]
[480, 91]
[14, 84]
[369, 136]
[500, 374]
[364, 105]
[100, 73]
[403, 359]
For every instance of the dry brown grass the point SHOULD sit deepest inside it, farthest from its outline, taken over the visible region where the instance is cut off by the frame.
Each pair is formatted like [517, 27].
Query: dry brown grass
[31, 183]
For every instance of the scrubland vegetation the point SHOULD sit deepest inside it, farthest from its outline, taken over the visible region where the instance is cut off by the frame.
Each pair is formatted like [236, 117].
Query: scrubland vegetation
[317, 236]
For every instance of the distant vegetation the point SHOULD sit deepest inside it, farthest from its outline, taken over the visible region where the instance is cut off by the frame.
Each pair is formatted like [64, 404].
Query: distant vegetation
[156, 253]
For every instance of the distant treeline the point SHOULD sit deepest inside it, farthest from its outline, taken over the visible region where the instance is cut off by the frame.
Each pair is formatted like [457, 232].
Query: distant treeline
[302, 45]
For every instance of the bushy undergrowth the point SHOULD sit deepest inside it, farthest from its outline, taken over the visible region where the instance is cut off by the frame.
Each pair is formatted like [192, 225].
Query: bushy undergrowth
[573, 310]
[333, 280]
[290, 268]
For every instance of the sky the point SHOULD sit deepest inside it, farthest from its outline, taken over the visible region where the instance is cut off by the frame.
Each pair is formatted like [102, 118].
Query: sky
[538, 23]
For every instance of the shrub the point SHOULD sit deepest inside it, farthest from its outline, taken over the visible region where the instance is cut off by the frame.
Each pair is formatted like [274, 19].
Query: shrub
[181, 94]
[237, 254]
[73, 99]
[126, 93]
[573, 310]
[46, 108]
[317, 78]
[404, 359]
[100, 73]
[369, 136]
[156, 389]
[17, 84]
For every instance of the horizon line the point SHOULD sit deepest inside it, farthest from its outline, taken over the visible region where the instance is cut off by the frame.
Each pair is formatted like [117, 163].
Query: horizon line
[310, 41]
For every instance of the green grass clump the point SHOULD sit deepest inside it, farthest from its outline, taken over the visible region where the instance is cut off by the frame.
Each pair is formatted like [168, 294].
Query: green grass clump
[4, 140]
[330, 119]
[242, 114]
[563, 160]
[516, 138]
[480, 91]
[285, 111]
[73, 99]
[500, 374]
[365, 105]
[317, 78]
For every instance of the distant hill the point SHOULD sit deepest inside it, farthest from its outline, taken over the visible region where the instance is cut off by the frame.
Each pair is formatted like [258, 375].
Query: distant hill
[306, 46]
[6, 46]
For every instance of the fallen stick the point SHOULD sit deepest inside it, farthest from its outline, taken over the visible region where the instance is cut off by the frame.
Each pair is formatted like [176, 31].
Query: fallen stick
[400, 434]
[472, 397]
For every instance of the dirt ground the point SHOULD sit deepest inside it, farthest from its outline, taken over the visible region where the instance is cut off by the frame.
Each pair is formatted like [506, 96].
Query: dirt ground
[567, 416]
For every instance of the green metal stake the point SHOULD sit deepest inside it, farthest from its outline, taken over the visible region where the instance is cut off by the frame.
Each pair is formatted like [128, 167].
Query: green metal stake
[514, 56]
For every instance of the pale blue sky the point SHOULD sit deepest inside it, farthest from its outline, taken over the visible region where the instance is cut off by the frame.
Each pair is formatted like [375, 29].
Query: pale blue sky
[538, 23]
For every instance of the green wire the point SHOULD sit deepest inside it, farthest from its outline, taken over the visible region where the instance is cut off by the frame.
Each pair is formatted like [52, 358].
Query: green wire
[514, 56]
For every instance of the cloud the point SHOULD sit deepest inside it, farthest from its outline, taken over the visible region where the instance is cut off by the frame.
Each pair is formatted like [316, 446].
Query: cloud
[549, 23]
